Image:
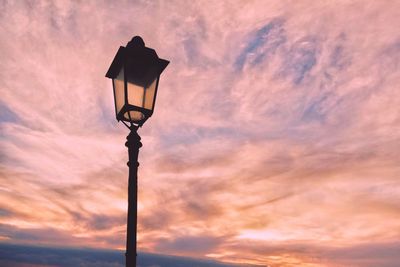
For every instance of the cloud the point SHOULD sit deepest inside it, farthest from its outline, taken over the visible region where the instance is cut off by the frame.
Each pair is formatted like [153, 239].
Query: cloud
[265, 41]
[301, 58]
[24, 256]
[274, 138]
[190, 244]
[323, 254]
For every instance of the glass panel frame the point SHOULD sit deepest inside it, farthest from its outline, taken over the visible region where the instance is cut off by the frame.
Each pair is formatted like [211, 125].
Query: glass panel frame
[119, 91]
[150, 95]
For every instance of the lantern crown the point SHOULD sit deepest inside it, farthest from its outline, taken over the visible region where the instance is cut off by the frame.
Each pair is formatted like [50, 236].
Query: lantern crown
[136, 41]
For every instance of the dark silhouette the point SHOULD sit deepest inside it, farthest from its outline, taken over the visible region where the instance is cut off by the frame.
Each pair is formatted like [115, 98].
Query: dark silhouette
[133, 143]
[135, 73]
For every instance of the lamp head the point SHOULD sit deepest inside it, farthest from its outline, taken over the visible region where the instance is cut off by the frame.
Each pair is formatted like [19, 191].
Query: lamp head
[135, 72]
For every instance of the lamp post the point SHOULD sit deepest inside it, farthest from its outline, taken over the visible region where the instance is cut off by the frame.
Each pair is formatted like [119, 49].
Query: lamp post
[135, 73]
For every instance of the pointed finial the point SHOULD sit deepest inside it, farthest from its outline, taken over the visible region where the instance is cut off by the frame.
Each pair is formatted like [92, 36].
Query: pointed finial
[136, 41]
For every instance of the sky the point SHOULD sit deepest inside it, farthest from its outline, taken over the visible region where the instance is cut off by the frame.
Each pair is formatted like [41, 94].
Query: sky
[275, 138]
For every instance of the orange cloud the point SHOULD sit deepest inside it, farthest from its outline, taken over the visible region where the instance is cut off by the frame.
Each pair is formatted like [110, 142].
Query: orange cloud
[274, 140]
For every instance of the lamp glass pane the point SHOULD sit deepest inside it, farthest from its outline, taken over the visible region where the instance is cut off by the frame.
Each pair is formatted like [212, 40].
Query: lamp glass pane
[119, 93]
[135, 95]
[150, 94]
[135, 98]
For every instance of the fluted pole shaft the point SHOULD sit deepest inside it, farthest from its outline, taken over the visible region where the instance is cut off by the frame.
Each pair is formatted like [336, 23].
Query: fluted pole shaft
[133, 143]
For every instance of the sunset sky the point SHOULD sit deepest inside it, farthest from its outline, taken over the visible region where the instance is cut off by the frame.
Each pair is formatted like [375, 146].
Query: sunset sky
[275, 138]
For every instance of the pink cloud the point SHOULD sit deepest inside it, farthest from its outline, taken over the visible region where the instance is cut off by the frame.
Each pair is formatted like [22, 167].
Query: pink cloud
[274, 138]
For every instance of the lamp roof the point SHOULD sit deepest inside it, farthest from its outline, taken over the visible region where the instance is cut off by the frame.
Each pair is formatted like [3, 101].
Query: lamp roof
[141, 61]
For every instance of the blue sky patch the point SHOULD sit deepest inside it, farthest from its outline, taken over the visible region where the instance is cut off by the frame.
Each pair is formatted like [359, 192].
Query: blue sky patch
[263, 42]
[6, 114]
[300, 60]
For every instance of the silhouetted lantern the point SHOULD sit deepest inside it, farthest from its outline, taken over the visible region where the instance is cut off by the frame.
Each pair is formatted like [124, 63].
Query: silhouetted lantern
[135, 73]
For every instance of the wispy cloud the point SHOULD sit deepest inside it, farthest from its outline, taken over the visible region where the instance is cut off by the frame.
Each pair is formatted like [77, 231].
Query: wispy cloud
[274, 140]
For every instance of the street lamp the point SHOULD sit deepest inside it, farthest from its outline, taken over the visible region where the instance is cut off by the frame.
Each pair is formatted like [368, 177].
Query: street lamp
[135, 73]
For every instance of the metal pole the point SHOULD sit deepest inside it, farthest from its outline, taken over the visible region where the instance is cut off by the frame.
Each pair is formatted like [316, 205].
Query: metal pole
[133, 143]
